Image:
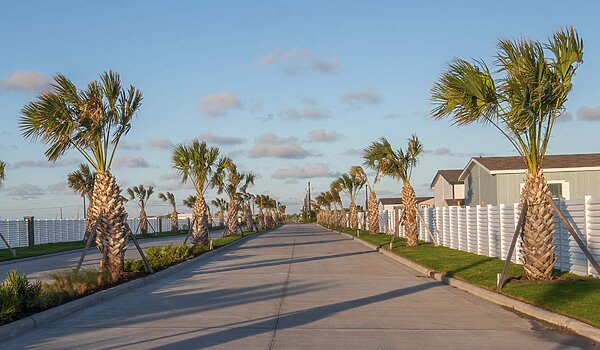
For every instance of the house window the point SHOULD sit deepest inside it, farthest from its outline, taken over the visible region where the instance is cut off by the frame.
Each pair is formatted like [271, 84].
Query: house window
[556, 189]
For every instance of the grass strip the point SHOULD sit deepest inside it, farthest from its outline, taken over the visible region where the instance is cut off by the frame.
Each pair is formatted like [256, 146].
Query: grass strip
[51, 248]
[570, 295]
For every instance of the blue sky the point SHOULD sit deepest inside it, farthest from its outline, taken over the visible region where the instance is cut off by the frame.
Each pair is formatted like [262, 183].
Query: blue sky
[289, 90]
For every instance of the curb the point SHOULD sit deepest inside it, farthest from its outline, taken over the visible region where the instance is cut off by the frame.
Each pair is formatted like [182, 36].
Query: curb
[571, 324]
[20, 326]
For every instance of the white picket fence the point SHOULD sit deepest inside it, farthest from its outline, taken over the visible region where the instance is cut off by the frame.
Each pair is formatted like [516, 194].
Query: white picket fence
[67, 230]
[488, 230]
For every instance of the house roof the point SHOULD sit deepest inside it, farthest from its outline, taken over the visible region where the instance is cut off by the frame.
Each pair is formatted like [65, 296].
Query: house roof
[552, 163]
[398, 200]
[450, 175]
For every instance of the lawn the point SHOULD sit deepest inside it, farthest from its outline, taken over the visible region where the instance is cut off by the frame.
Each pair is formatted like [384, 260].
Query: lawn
[571, 295]
[50, 248]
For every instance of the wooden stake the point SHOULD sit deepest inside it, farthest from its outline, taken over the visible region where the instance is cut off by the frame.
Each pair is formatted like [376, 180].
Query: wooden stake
[189, 231]
[502, 278]
[575, 236]
[12, 251]
[435, 241]
[90, 237]
[146, 263]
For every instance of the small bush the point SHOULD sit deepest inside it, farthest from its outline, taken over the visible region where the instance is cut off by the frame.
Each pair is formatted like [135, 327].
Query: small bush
[19, 297]
[162, 257]
[68, 284]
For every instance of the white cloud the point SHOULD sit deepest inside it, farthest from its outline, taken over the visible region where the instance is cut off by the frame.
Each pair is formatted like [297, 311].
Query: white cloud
[217, 105]
[25, 191]
[26, 80]
[362, 96]
[310, 101]
[44, 164]
[124, 145]
[306, 171]
[170, 176]
[588, 114]
[445, 151]
[321, 135]
[298, 61]
[221, 140]
[57, 188]
[159, 142]
[270, 145]
[352, 152]
[131, 162]
[311, 113]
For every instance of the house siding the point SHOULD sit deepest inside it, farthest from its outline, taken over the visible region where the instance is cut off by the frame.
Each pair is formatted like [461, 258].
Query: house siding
[441, 190]
[581, 184]
[480, 187]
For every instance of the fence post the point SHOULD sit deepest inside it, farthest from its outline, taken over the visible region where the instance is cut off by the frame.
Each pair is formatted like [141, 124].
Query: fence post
[586, 233]
[30, 232]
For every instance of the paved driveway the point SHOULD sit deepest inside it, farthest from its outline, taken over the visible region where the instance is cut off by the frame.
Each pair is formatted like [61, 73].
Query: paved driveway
[298, 287]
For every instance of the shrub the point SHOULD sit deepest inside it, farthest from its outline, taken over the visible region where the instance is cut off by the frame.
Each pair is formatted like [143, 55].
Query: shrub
[162, 257]
[19, 297]
[68, 284]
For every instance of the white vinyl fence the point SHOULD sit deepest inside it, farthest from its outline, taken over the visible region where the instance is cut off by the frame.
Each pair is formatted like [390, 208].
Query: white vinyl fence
[68, 230]
[488, 230]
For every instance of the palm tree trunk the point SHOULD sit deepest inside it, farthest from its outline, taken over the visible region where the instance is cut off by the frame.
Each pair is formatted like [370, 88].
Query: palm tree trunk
[200, 227]
[249, 220]
[143, 222]
[90, 218]
[261, 219]
[209, 220]
[110, 232]
[373, 214]
[231, 218]
[174, 221]
[409, 203]
[353, 216]
[222, 217]
[537, 240]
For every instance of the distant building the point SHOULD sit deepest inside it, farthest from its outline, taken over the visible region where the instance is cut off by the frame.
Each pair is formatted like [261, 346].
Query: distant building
[499, 180]
[448, 190]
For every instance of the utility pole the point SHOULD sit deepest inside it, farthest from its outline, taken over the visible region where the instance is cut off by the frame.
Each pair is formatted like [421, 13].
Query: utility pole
[309, 212]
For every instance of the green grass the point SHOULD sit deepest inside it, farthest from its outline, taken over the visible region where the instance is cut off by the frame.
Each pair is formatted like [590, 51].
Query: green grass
[571, 295]
[51, 248]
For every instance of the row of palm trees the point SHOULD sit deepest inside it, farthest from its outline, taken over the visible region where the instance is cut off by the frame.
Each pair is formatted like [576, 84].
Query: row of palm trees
[92, 121]
[384, 161]
[522, 96]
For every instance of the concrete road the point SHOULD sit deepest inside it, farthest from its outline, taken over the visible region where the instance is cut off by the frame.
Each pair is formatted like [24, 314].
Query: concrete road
[41, 267]
[298, 287]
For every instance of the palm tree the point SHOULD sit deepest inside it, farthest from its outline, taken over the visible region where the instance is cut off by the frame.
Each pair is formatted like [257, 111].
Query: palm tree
[373, 210]
[350, 183]
[233, 183]
[82, 181]
[190, 201]
[373, 160]
[399, 165]
[247, 210]
[281, 211]
[260, 202]
[140, 195]
[334, 192]
[170, 197]
[92, 121]
[221, 205]
[2, 172]
[199, 163]
[522, 99]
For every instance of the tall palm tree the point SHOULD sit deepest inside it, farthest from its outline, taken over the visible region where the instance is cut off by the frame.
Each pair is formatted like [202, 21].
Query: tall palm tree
[170, 197]
[233, 183]
[281, 211]
[260, 201]
[522, 99]
[199, 163]
[221, 205]
[140, 195]
[2, 172]
[350, 183]
[334, 191]
[247, 199]
[81, 182]
[399, 165]
[92, 121]
[372, 210]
